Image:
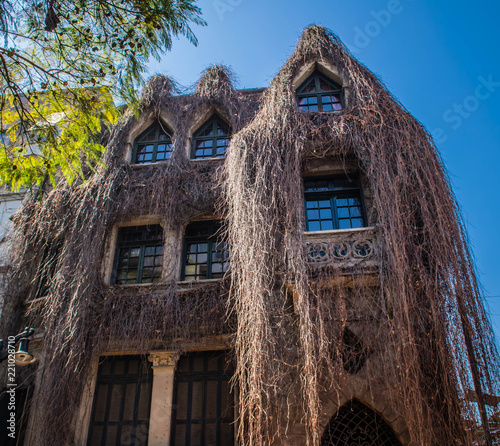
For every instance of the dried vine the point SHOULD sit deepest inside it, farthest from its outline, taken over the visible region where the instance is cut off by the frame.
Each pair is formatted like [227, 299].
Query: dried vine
[289, 321]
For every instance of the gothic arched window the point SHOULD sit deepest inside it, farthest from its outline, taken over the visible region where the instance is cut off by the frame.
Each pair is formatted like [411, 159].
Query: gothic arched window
[153, 145]
[211, 139]
[319, 93]
[357, 425]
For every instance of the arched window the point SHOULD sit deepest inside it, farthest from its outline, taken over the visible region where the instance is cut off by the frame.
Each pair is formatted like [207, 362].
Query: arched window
[211, 139]
[154, 145]
[356, 424]
[319, 93]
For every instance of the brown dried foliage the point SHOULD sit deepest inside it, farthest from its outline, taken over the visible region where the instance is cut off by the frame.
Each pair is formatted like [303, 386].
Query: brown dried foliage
[416, 319]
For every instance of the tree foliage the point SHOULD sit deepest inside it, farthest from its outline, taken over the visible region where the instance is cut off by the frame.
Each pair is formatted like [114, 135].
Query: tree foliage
[62, 66]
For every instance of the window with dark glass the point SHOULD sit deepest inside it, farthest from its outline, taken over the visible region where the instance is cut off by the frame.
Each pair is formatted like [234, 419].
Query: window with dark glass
[203, 405]
[333, 203]
[139, 255]
[206, 255]
[211, 139]
[319, 93]
[154, 145]
[122, 400]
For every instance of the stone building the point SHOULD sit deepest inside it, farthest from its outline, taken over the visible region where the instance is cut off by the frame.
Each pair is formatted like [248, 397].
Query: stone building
[277, 266]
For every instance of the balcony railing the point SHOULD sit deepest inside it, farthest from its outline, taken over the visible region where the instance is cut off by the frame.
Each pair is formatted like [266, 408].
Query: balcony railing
[342, 249]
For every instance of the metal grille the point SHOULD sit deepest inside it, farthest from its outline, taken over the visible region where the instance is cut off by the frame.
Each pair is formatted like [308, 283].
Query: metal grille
[120, 414]
[357, 425]
[203, 407]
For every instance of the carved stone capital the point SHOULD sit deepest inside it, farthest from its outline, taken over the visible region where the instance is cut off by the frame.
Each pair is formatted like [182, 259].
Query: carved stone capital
[163, 359]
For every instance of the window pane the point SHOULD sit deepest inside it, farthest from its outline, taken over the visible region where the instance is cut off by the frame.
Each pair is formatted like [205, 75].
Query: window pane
[112, 434]
[190, 270]
[357, 223]
[182, 400]
[101, 398]
[116, 402]
[195, 434]
[197, 400]
[355, 211]
[325, 213]
[144, 401]
[141, 435]
[326, 225]
[343, 212]
[96, 438]
[344, 224]
[128, 409]
[313, 214]
[180, 435]
[314, 226]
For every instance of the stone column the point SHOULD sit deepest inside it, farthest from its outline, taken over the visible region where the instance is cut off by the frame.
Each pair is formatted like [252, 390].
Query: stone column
[164, 364]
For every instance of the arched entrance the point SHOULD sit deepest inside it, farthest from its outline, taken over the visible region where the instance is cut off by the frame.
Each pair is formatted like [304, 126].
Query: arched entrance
[357, 425]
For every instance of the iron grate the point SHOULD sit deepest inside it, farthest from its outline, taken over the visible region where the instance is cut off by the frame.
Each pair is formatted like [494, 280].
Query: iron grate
[357, 425]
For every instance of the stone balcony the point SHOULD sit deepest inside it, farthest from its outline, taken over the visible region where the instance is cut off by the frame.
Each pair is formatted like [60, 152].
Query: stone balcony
[342, 249]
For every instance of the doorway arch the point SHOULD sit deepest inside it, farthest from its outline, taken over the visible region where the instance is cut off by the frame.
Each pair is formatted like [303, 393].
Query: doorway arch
[357, 425]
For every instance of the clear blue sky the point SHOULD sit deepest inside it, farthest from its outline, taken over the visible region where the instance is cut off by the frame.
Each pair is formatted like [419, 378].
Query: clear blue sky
[439, 58]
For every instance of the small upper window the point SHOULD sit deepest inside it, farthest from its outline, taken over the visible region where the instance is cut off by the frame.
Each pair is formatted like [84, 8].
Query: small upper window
[211, 139]
[319, 93]
[139, 255]
[205, 255]
[333, 203]
[154, 145]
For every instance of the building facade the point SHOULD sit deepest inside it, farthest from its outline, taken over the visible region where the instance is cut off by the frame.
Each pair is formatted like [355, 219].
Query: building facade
[277, 266]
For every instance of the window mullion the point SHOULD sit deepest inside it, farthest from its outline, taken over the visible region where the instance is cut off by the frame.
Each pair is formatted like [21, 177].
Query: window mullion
[140, 264]
[155, 152]
[333, 201]
[214, 141]
[209, 260]
[318, 92]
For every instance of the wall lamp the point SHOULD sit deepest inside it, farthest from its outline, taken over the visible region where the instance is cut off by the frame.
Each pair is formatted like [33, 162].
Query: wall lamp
[22, 356]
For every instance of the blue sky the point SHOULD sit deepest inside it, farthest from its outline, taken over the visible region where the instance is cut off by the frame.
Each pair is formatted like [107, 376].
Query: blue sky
[439, 58]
